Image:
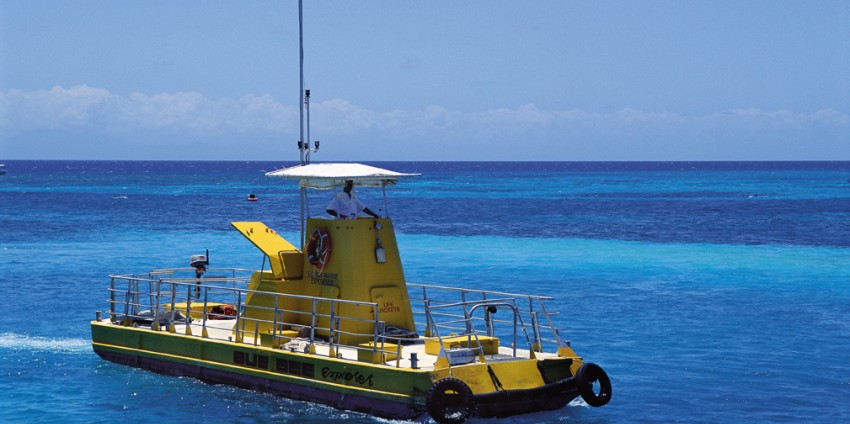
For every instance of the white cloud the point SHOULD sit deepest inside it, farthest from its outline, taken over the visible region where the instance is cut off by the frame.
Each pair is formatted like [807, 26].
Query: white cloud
[627, 134]
[51, 108]
[98, 109]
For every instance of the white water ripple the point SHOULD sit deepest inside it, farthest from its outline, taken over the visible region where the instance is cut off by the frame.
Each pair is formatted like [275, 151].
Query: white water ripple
[24, 342]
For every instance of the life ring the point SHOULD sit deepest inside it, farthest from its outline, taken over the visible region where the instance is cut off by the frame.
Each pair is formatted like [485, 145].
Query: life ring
[319, 247]
[586, 375]
[450, 401]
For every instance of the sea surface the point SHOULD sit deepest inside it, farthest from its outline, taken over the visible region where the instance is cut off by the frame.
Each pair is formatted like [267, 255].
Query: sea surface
[711, 292]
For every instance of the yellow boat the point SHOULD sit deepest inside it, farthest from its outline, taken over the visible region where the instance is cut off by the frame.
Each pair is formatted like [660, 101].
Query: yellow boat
[335, 322]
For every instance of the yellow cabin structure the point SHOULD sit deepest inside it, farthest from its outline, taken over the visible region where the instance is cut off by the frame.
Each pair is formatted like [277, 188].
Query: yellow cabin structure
[362, 264]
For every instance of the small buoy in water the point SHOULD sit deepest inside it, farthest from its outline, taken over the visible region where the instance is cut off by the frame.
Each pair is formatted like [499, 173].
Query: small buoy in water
[252, 198]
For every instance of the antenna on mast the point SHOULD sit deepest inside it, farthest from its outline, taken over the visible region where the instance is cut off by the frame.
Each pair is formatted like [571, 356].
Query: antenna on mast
[307, 144]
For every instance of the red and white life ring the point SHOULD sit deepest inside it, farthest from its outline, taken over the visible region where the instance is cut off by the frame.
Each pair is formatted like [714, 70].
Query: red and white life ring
[319, 247]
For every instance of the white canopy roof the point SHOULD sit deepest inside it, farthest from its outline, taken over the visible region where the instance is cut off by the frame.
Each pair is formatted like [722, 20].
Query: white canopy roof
[329, 175]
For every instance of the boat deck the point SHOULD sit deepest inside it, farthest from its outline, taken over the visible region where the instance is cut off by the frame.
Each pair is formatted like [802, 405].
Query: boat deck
[396, 355]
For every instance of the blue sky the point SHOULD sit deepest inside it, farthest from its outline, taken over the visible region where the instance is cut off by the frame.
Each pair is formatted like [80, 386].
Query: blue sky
[435, 80]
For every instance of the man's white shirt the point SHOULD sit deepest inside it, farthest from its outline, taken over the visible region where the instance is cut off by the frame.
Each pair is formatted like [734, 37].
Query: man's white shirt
[345, 206]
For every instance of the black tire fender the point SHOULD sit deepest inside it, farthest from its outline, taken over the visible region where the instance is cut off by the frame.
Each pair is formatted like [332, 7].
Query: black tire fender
[588, 374]
[450, 401]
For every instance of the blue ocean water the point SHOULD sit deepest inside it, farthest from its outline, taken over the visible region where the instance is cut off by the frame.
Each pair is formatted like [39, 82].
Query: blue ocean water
[710, 292]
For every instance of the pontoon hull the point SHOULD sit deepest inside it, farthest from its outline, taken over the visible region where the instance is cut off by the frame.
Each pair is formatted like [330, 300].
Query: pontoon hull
[369, 405]
[373, 389]
[351, 386]
[500, 404]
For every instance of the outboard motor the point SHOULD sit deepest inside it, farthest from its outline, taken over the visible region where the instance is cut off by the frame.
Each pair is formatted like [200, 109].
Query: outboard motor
[198, 261]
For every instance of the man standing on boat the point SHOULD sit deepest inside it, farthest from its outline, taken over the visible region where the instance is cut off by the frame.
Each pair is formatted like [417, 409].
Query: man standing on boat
[345, 205]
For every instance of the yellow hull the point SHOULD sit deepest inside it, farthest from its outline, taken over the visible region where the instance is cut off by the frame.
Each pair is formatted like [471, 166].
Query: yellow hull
[378, 389]
[390, 392]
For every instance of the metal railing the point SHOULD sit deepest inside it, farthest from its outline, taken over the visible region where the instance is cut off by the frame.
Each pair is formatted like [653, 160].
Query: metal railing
[165, 298]
[455, 312]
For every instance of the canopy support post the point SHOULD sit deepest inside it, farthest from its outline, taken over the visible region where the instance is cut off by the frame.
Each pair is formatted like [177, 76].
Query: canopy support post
[386, 205]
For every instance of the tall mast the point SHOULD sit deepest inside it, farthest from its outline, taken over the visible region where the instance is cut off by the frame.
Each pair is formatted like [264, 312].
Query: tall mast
[304, 147]
[301, 143]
